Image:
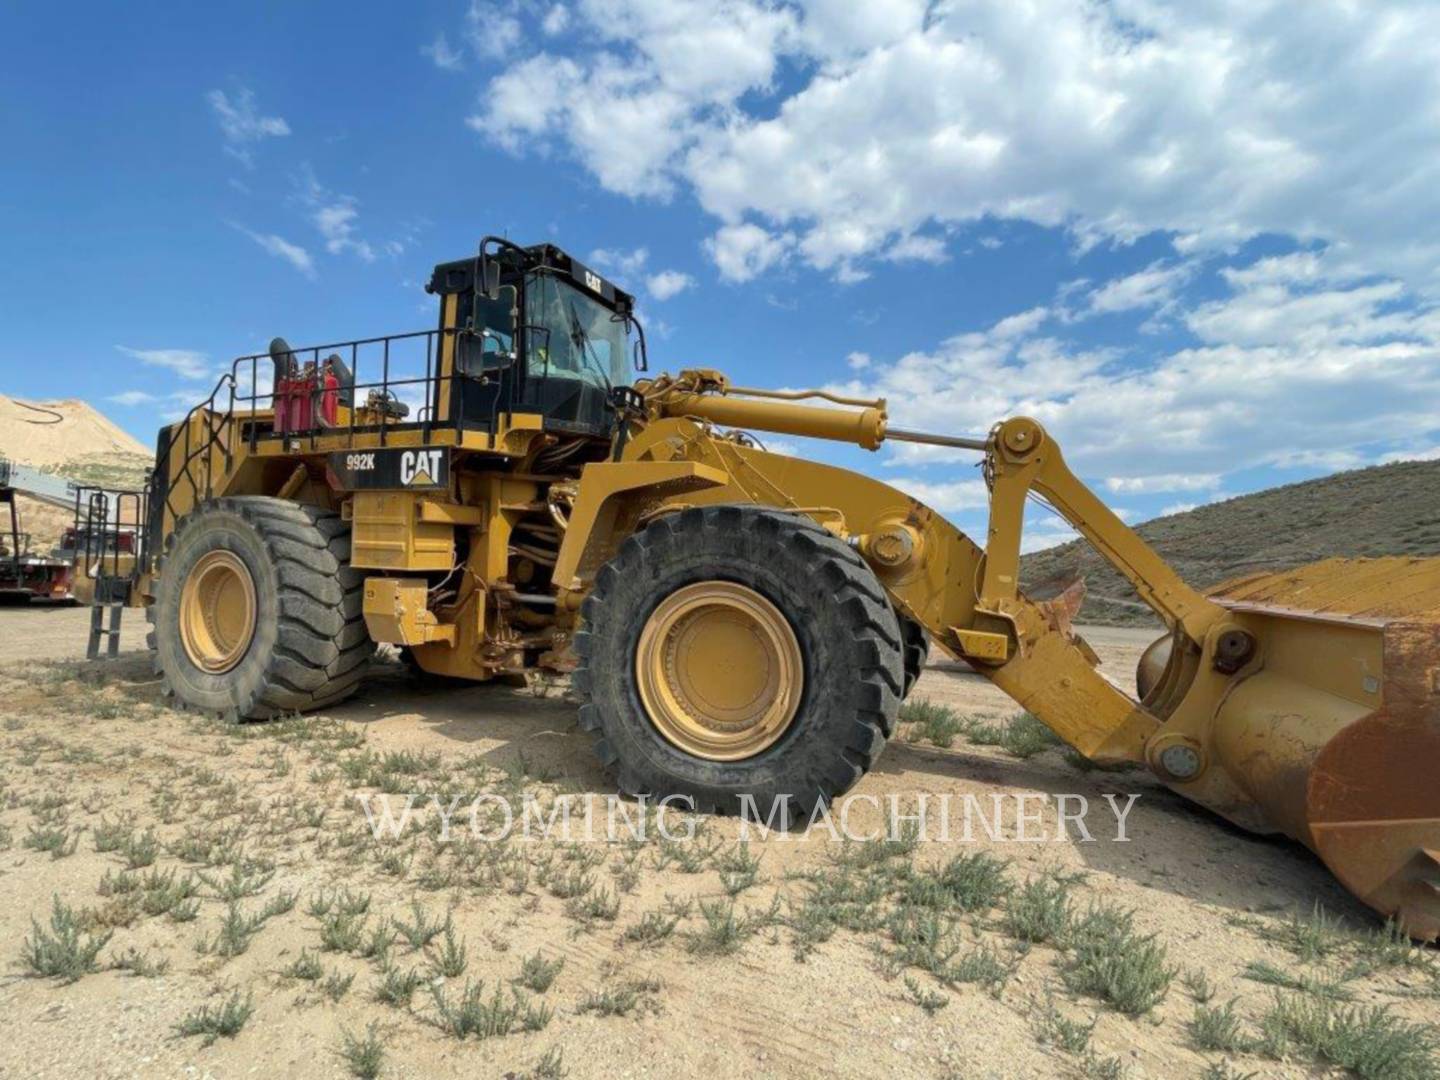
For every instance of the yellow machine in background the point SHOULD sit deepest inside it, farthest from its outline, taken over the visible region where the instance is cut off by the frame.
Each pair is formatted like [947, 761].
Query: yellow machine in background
[742, 623]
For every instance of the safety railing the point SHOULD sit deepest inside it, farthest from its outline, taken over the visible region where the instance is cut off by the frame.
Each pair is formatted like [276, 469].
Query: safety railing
[304, 390]
[109, 541]
[370, 386]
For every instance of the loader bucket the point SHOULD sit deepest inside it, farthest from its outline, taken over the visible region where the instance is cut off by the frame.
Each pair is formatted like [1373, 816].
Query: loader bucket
[1337, 737]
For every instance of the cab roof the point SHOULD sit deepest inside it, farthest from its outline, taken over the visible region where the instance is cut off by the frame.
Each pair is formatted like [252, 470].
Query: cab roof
[459, 276]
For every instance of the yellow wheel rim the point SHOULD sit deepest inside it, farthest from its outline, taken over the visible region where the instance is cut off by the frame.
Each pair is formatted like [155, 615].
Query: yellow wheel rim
[217, 612]
[719, 671]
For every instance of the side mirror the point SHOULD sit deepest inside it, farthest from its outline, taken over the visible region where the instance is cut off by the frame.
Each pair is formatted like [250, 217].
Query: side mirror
[490, 271]
[640, 354]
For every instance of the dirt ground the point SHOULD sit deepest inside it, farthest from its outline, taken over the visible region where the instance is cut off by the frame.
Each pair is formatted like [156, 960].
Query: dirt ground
[679, 958]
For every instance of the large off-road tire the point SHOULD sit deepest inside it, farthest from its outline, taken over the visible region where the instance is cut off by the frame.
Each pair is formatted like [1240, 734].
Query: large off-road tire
[733, 651]
[916, 645]
[257, 611]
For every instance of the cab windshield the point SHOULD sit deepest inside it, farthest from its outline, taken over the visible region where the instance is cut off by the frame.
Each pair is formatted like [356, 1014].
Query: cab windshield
[572, 336]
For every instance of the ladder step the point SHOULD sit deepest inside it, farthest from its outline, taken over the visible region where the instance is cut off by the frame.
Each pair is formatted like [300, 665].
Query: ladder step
[99, 630]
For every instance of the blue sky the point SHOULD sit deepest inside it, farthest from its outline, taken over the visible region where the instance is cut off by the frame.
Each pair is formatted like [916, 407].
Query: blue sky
[1199, 241]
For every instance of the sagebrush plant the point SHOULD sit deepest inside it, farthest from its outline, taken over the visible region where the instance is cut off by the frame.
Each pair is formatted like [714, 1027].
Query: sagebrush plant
[224, 1021]
[1198, 985]
[1054, 1028]
[1039, 911]
[1328, 983]
[1110, 960]
[398, 987]
[619, 999]
[932, 1001]
[139, 964]
[449, 959]
[306, 966]
[237, 929]
[1368, 1040]
[472, 1014]
[1313, 937]
[364, 1055]
[550, 1067]
[336, 985]
[933, 722]
[538, 973]
[652, 928]
[968, 882]
[64, 951]
[1218, 1027]
[57, 841]
[1023, 735]
[723, 930]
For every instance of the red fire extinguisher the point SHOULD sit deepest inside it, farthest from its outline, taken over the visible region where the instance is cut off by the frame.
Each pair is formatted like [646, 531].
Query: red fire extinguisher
[330, 397]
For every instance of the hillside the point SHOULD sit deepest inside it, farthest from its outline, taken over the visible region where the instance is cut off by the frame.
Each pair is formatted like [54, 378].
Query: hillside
[1384, 510]
[82, 445]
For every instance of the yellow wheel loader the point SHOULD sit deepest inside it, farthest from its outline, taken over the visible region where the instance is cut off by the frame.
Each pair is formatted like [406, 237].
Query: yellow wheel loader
[500, 495]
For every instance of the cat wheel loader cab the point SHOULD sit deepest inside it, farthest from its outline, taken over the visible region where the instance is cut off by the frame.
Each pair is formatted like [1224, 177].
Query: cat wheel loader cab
[742, 626]
[544, 335]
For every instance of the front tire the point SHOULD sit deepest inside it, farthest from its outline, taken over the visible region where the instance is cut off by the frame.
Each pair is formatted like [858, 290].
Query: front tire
[257, 611]
[777, 670]
[917, 651]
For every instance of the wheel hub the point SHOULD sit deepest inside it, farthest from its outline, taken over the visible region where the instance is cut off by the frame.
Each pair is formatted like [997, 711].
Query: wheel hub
[217, 612]
[719, 671]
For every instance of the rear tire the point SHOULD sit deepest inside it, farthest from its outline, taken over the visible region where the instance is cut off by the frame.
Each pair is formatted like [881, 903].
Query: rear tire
[307, 645]
[848, 639]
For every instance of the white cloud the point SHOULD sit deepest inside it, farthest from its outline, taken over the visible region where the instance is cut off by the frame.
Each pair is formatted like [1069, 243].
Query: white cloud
[1419, 453]
[555, 20]
[917, 248]
[1043, 530]
[1144, 485]
[624, 123]
[741, 252]
[945, 496]
[336, 222]
[626, 264]
[443, 54]
[241, 124]
[334, 216]
[1186, 505]
[858, 361]
[843, 29]
[629, 106]
[187, 363]
[131, 397]
[492, 27]
[281, 248]
[668, 283]
[1153, 287]
[1214, 121]
[1257, 392]
[1020, 325]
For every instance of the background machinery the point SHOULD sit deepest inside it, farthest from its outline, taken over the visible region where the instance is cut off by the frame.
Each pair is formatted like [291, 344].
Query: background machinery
[497, 495]
[24, 572]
